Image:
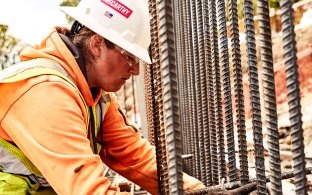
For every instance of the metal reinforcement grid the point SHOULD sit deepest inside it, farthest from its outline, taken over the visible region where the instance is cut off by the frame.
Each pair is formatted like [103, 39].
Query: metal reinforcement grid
[196, 68]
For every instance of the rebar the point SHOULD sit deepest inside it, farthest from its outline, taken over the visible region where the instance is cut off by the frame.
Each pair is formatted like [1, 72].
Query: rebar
[269, 97]
[211, 134]
[234, 185]
[190, 80]
[224, 60]
[169, 95]
[212, 70]
[187, 139]
[199, 114]
[238, 91]
[186, 101]
[202, 93]
[295, 115]
[255, 97]
[190, 60]
[217, 90]
[160, 139]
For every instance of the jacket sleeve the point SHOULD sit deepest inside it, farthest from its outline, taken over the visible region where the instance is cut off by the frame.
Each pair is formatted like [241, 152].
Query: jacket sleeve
[47, 124]
[132, 156]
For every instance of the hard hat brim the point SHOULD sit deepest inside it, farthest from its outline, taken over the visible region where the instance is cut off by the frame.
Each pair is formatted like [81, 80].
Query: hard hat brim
[107, 33]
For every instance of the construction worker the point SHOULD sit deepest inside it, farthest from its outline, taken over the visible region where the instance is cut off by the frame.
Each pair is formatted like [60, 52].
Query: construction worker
[59, 118]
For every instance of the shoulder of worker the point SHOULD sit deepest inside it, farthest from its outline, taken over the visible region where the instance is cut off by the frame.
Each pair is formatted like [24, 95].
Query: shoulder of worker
[59, 49]
[19, 79]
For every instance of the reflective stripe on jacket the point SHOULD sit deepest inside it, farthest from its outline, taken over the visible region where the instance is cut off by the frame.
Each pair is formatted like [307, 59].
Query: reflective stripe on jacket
[12, 159]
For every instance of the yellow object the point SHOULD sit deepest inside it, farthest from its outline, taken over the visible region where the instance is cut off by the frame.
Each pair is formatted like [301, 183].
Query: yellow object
[46, 118]
[19, 185]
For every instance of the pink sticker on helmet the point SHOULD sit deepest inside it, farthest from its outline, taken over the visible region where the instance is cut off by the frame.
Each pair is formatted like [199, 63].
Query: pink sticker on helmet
[119, 7]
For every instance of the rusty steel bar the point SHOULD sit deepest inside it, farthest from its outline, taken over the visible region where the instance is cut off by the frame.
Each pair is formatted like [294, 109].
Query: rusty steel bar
[148, 73]
[190, 61]
[213, 119]
[208, 131]
[210, 135]
[295, 115]
[235, 185]
[224, 61]
[202, 93]
[255, 97]
[187, 139]
[169, 94]
[269, 97]
[217, 89]
[185, 44]
[197, 87]
[149, 94]
[182, 47]
[238, 91]
[197, 64]
[159, 130]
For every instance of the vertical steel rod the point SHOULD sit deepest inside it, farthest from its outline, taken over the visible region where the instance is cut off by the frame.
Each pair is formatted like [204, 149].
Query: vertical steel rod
[224, 60]
[269, 97]
[290, 51]
[238, 91]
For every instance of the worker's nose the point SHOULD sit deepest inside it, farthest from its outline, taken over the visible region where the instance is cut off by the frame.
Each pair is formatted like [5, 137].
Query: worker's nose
[135, 69]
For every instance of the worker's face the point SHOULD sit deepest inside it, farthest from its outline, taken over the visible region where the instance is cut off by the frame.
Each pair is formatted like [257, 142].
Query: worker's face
[111, 68]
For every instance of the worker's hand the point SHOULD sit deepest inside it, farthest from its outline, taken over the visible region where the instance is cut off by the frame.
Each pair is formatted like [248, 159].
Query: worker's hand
[191, 183]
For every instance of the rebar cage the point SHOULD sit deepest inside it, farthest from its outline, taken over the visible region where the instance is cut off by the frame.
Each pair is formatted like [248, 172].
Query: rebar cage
[195, 97]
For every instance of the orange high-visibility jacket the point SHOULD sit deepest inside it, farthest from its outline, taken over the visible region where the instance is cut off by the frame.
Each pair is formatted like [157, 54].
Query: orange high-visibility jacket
[47, 120]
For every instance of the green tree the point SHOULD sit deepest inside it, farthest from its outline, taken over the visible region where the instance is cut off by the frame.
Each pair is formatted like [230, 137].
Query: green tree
[9, 52]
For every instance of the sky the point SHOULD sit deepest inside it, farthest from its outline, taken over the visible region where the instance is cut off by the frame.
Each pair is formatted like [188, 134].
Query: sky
[31, 20]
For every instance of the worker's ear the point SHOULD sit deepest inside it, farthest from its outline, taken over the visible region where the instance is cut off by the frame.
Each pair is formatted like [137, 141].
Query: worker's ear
[96, 45]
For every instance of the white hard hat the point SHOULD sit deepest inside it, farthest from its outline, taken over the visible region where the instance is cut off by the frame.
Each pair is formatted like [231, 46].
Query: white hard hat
[123, 22]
